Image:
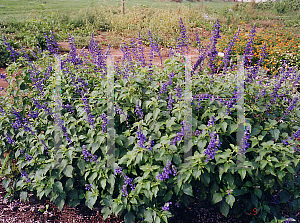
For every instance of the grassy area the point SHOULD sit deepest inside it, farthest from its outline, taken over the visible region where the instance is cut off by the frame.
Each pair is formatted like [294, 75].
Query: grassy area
[22, 8]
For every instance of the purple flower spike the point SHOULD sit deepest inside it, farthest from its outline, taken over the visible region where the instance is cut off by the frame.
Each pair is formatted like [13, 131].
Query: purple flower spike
[183, 41]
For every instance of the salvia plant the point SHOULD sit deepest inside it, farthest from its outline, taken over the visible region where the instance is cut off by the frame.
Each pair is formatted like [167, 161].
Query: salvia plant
[150, 175]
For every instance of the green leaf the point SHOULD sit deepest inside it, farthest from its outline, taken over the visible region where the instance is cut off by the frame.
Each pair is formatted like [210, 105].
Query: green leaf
[57, 186]
[103, 183]
[170, 122]
[68, 171]
[263, 164]
[280, 174]
[157, 219]
[95, 146]
[255, 131]
[205, 178]
[229, 179]
[284, 197]
[224, 208]
[129, 217]
[81, 165]
[148, 116]
[148, 216]
[118, 209]
[5, 183]
[224, 126]
[258, 192]
[156, 112]
[187, 189]
[23, 196]
[201, 144]
[91, 199]
[242, 172]
[254, 200]
[275, 134]
[230, 199]
[196, 174]
[59, 202]
[122, 118]
[106, 211]
[266, 208]
[69, 184]
[155, 191]
[217, 197]
[232, 128]
[164, 140]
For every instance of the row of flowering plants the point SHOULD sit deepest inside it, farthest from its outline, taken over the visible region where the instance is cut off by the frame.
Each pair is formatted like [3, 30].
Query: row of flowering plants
[150, 172]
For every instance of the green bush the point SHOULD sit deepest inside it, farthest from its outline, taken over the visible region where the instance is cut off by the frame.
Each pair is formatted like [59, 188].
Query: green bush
[4, 55]
[269, 164]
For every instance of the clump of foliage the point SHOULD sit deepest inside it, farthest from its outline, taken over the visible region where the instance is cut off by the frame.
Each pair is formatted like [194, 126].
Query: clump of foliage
[158, 118]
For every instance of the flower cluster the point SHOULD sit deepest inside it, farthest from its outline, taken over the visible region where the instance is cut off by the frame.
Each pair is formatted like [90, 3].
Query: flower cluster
[105, 122]
[212, 53]
[198, 41]
[9, 140]
[245, 139]
[68, 107]
[211, 121]
[255, 68]
[178, 91]
[170, 102]
[141, 137]
[154, 47]
[91, 119]
[212, 146]
[24, 174]
[183, 41]
[88, 156]
[88, 187]
[118, 170]
[249, 48]
[141, 51]
[21, 122]
[291, 107]
[43, 106]
[166, 206]
[64, 129]
[197, 132]
[127, 56]
[149, 143]
[51, 43]
[33, 114]
[28, 157]
[13, 54]
[138, 110]
[180, 134]
[226, 58]
[199, 61]
[127, 181]
[120, 111]
[3, 77]
[167, 171]
[72, 56]
[44, 144]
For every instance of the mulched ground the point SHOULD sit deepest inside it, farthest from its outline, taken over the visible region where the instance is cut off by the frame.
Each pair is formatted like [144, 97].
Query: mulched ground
[198, 211]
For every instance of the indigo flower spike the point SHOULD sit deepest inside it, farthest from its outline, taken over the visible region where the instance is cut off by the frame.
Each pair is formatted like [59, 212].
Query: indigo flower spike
[118, 170]
[166, 206]
[138, 110]
[3, 77]
[88, 187]
[10, 141]
[211, 121]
